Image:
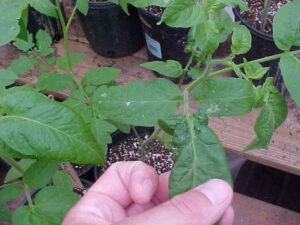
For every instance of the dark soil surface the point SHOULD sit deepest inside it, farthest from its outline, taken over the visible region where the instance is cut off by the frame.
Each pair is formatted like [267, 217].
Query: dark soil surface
[156, 154]
[254, 15]
[156, 10]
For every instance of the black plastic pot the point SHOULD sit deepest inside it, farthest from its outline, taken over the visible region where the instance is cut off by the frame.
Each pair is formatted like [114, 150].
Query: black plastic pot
[163, 42]
[110, 32]
[262, 45]
[38, 21]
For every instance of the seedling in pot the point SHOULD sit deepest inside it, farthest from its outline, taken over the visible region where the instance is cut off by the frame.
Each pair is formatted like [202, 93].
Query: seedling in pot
[78, 129]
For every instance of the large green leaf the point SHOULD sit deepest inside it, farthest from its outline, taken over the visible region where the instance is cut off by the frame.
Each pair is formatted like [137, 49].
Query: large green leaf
[170, 68]
[40, 173]
[290, 69]
[14, 174]
[63, 180]
[10, 14]
[54, 82]
[36, 126]
[21, 65]
[7, 77]
[286, 26]
[5, 214]
[272, 115]
[44, 6]
[225, 96]
[54, 202]
[241, 40]
[10, 193]
[145, 3]
[139, 103]
[182, 13]
[202, 157]
[82, 6]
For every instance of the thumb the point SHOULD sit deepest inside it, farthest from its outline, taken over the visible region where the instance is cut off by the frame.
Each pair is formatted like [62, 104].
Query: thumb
[204, 205]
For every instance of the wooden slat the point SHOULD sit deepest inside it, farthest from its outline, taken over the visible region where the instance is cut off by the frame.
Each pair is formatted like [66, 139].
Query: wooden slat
[249, 211]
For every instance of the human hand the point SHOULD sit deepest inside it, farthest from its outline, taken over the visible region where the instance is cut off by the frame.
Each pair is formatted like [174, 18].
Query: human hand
[131, 193]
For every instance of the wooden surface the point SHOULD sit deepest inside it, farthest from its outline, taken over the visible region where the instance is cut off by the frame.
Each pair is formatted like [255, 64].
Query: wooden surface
[234, 132]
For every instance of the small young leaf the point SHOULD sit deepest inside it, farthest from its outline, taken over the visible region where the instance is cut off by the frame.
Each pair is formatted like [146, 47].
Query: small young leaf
[82, 6]
[290, 67]
[170, 68]
[145, 3]
[182, 13]
[100, 76]
[272, 115]
[10, 193]
[286, 26]
[21, 65]
[54, 202]
[24, 45]
[13, 174]
[202, 157]
[225, 96]
[40, 173]
[63, 180]
[62, 63]
[54, 82]
[195, 73]
[124, 6]
[44, 42]
[241, 40]
[140, 103]
[7, 77]
[44, 6]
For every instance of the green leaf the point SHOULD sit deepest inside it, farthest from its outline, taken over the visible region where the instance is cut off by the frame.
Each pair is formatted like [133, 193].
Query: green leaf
[207, 36]
[24, 45]
[195, 73]
[62, 63]
[140, 103]
[202, 157]
[82, 6]
[100, 76]
[11, 12]
[225, 96]
[13, 174]
[21, 65]
[241, 40]
[5, 214]
[254, 70]
[7, 77]
[272, 115]
[40, 173]
[10, 193]
[44, 6]
[145, 3]
[170, 123]
[37, 126]
[220, 4]
[286, 26]
[44, 42]
[102, 131]
[290, 69]
[54, 202]
[170, 68]
[182, 13]
[125, 128]
[63, 180]
[123, 4]
[54, 82]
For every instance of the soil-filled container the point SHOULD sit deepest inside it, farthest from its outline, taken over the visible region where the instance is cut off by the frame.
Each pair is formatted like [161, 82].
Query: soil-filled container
[163, 42]
[263, 45]
[109, 31]
[38, 21]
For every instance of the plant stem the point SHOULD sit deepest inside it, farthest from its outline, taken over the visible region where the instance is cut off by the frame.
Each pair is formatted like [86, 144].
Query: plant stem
[71, 18]
[13, 164]
[265, 15]
[28, 196]
[185, 70]
[65, 34]
[140, 142]
[228, 69]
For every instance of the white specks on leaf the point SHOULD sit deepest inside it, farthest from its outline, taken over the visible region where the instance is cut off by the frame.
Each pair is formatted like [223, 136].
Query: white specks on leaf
[103, 95]
[213, 108]
[128, 103]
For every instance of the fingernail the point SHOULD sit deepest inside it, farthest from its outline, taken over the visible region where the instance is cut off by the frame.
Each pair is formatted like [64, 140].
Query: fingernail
[215, 190]
[147, 186]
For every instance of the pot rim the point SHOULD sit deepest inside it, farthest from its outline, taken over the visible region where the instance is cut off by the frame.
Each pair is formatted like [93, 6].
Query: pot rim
[152, 15]
[263, 35]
